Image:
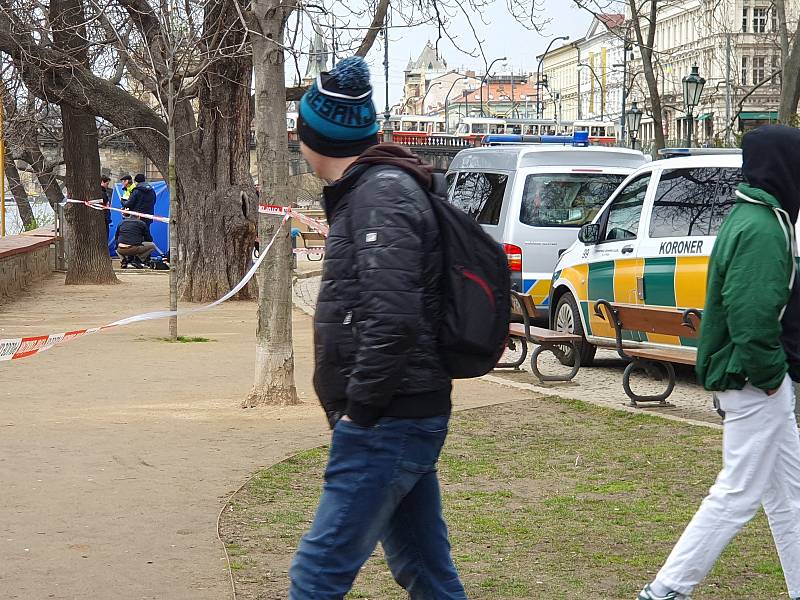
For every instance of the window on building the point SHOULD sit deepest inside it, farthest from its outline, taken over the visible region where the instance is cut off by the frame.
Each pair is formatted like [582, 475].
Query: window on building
[744, 70]
[745, 19]
[759, 69]
[773, 15]
[480, 195]
[760, 20]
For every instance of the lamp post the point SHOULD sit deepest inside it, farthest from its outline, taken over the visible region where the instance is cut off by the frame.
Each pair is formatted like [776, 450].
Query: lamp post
[633, 120]
[600, 85]
[539, 74]
[387, 127]
[483, 80]
[692, 90]
[425, 95]
[447, 103]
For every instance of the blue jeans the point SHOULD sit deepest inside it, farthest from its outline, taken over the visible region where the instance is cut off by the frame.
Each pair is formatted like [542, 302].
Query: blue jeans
[380, 486]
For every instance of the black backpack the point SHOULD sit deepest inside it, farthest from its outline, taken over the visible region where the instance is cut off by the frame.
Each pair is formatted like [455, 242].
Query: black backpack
[477, 291]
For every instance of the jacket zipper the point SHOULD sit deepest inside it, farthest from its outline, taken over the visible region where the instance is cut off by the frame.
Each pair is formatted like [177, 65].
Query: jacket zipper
[482, 283]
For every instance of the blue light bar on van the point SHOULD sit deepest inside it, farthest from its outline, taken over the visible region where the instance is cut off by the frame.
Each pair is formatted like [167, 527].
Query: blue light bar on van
[673, 152]
[580, 138]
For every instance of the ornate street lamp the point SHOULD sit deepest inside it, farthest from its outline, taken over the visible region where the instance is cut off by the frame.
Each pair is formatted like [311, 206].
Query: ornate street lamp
[539, 82]
[692, 91]
[633, 120]
[483, 81]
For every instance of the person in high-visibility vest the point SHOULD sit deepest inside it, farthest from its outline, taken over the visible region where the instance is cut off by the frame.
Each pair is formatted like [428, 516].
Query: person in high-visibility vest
[127, 188]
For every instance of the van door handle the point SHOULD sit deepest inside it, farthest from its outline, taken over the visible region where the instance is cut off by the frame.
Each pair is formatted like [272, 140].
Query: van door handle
[627, 250]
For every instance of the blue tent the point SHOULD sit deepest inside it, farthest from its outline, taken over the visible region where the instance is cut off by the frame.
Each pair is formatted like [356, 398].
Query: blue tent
[159, 231]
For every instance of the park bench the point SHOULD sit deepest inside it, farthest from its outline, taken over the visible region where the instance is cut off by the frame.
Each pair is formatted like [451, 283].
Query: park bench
[654, 320]
[314, 243]
[546, 340]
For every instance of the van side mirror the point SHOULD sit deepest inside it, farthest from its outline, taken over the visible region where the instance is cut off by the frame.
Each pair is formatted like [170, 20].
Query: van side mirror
[589, 233]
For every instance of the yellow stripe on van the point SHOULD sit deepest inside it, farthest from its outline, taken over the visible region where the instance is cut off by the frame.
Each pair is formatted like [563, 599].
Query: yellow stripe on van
[626, 273]
[690, 281]
[540, 291]
[578, 276]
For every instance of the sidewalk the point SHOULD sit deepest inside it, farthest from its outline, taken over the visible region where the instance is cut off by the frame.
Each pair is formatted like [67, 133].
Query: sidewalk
[117, 451]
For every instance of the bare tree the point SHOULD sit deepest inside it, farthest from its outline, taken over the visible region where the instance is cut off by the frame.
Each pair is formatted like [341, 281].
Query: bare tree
[790, 61]
[88, 261]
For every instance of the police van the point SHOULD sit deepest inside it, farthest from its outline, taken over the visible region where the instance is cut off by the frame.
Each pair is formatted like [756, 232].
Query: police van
[649, 244]
[534, 197]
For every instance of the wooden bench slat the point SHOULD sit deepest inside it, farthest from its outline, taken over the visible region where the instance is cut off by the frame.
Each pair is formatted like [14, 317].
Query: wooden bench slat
[654, 319]
[683, 357]
[540, 333]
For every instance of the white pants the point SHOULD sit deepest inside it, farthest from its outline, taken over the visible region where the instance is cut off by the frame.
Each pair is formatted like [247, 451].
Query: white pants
[761, 467]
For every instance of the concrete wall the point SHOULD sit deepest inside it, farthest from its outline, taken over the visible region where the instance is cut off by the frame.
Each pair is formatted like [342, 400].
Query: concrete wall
[23, 263]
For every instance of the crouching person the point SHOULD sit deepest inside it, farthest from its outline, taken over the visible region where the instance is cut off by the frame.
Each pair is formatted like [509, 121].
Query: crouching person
[134, 244]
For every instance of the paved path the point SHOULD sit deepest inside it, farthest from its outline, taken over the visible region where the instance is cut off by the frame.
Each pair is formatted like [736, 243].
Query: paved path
[117, 451]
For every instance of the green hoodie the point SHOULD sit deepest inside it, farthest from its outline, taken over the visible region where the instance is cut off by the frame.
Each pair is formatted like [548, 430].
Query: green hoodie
[749, 277]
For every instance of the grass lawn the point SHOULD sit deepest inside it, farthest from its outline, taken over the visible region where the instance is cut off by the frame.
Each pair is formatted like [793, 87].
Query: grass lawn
[546, 498]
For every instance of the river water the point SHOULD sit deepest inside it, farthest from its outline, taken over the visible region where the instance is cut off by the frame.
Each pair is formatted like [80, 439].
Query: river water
[41, 210]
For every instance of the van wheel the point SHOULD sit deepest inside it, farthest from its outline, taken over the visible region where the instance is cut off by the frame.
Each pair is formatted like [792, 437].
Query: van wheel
[568, 319]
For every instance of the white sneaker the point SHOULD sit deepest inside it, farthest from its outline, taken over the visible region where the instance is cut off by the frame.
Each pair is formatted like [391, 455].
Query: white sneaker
[647, 594]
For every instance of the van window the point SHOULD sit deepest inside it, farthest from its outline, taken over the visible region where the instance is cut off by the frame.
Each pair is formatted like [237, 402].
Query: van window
[622, 217]
[565, 199]
[692, 202]
[480, 195]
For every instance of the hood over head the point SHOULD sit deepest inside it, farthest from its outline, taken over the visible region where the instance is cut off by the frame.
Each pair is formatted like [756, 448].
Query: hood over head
[770, 162]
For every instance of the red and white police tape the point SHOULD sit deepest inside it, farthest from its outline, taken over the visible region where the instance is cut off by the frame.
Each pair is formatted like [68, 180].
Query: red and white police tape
[97, 205]
[16, 348]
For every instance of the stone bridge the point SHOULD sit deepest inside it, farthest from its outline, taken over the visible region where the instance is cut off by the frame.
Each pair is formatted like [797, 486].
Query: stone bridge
[119, 155]
[438, 153]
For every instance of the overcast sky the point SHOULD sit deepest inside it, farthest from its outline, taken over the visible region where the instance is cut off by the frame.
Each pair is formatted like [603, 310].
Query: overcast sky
[503, 36]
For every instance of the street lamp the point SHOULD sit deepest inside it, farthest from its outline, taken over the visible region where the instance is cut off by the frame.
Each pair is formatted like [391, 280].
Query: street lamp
[447, 103]
[485, 75]
[539, 75]
[387, 126]
[692, 90]
[600, 85]
[425, 95]
[633, 120]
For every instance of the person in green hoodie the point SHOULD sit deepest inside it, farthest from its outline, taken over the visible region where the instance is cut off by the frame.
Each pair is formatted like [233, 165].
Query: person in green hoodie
[747, 356]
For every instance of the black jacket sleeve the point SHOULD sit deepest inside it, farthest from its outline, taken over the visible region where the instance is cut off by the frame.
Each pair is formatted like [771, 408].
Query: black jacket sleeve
[146, 237]
[386, 228]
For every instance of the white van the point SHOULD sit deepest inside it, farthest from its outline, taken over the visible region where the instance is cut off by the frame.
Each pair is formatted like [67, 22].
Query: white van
[533, 199]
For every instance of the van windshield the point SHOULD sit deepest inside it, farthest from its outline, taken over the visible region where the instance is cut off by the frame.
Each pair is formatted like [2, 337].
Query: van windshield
[565, 199]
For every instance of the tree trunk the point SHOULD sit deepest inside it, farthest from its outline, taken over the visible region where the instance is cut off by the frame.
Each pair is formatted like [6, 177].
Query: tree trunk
[274, 377]
[790, 57]
[19, 193]
[88, 262]
[646, 49]
[217, 209]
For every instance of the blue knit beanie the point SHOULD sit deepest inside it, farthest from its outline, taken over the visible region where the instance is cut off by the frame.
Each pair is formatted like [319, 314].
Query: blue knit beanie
[337, 116]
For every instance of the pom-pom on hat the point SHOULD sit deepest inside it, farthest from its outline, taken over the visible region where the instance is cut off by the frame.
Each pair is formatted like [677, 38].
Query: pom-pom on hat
[337, 115]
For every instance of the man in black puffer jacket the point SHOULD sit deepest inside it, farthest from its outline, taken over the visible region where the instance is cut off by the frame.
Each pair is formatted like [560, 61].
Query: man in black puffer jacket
[378, 372]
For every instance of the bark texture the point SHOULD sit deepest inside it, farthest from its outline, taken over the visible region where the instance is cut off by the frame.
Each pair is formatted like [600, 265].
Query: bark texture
[88, 261]
[274, 377]
[790, 62]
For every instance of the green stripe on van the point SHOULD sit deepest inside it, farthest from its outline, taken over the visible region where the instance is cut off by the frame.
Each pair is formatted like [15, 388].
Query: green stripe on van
[585, 311]
[659, 281]
[601, 281]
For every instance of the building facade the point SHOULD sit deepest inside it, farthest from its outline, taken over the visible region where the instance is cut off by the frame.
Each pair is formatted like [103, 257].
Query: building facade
[418, 76]
[735, 44]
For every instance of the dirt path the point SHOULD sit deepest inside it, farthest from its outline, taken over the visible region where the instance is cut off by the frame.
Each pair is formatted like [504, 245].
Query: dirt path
[118, 450]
